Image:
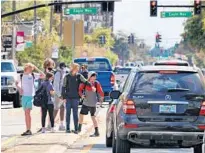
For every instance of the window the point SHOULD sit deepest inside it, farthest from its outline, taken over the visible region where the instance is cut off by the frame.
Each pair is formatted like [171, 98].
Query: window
[122, 70]
[156, 82]
[7, 67]
[97, 65]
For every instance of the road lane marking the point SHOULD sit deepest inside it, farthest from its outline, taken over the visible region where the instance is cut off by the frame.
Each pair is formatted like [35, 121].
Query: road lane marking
[8, 141]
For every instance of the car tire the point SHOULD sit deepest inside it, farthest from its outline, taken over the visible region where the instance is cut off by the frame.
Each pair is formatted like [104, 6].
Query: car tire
[198, 149]
[122, 146]
[113, 143]
[16, 101]
[108, 141]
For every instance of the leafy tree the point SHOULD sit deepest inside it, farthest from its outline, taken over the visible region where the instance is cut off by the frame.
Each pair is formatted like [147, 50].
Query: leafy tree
[65, 54]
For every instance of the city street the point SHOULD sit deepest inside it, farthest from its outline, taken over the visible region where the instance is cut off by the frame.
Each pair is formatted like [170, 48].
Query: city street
[13, 124]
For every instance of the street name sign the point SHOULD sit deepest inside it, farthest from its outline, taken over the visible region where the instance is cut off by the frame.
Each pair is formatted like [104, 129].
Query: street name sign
[184, 14]
[76, 11]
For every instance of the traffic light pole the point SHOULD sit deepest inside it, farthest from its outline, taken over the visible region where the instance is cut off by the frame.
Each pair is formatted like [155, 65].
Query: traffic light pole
[73, 40]
[13, 31]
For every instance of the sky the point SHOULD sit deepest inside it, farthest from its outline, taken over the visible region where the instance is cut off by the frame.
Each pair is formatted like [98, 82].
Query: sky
[133, 16]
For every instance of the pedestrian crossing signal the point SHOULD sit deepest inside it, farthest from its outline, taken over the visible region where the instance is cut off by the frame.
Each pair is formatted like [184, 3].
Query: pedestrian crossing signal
[153, 8]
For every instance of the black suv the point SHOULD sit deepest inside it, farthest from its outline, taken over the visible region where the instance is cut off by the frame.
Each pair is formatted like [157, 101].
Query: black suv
[160, 105]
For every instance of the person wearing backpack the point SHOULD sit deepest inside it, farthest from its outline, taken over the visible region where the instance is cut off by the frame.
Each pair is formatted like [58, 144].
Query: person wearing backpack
[58, 103]
[90, 100]
[27, 90]
[48, 105]
[48, 66]
[70, 95]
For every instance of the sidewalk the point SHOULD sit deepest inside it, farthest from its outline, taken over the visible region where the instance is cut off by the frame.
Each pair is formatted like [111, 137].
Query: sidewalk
[48, 142]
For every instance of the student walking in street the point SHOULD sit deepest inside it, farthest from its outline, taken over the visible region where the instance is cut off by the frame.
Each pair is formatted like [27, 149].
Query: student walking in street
[49, 106]
[90, 100]
[58, 103]
[70, 93]
[27, 90]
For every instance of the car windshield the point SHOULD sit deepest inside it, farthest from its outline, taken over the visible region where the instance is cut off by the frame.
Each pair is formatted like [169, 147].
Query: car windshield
[97, 65]
[122, 70]
[7, 67]
[178, 82]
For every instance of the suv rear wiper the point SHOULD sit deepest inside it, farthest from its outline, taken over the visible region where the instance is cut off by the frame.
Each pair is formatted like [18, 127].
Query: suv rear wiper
[177, 89]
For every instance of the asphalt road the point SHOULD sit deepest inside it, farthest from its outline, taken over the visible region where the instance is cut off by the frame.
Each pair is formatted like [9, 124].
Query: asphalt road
[97, 145]
[12, 124]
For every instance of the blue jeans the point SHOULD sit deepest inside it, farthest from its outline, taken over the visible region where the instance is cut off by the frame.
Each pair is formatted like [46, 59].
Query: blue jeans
[72, 104]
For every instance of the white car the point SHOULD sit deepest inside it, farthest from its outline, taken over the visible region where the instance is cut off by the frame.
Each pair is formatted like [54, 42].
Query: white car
[9, 75]
[121, 75]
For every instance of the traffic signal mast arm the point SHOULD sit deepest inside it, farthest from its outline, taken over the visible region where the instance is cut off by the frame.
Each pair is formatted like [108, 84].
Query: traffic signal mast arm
[49, 4]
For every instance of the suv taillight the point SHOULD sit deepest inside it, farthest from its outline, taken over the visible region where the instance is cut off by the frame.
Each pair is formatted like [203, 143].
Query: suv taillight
[202, 110]
[112, 79]
[112, 108]
[129, 107]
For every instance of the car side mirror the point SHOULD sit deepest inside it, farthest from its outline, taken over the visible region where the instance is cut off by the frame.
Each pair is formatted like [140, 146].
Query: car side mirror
[115, 94]
[20, 71]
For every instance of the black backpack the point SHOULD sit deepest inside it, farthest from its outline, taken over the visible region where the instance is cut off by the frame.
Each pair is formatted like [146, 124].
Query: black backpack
[41, 97]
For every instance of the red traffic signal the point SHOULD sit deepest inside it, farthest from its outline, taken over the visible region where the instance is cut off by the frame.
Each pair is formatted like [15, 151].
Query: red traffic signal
[197, 7]
[153, 8]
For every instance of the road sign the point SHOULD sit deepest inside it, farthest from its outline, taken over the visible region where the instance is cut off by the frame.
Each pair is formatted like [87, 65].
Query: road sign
[176, 14]
[75, 11]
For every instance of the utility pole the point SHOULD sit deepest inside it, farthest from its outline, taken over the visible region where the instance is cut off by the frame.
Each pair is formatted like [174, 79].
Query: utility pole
[51, 18]
[35, 24]
[61, 25]
[13, 31]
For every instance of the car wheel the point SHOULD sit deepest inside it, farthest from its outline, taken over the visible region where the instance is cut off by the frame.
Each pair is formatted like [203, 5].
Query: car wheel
[122, 146]
[198, 149]
[16, 101]
[113, 143]
[108, 141]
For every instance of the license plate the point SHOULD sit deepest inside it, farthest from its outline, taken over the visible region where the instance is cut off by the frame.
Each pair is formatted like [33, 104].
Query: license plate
[167, 108]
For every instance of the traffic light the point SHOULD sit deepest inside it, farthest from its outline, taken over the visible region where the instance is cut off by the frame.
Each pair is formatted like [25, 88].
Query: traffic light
[153, 8]
[57, 6]
[197, 7]
[131, 39]
[108, 6]
[158, 38]
[102, 39]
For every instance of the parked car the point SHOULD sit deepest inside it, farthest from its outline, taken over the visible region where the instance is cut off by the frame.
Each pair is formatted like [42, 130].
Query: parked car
[121, 75]
[159, 104]
[9, 90]
[109, 122]
[103, 68]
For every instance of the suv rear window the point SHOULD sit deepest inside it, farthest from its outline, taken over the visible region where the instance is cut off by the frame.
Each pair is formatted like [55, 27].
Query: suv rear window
[97, 65]
[171, 64]
[7, 67]
[163, 82]
[122, 70]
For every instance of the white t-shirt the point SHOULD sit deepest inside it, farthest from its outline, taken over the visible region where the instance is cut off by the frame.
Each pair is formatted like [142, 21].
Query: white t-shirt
[28, 84]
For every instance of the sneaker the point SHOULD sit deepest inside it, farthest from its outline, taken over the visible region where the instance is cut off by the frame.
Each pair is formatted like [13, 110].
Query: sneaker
[52, 130]
[61, 128]
[68, 131]
[43, 130]
[74, 131]
[48, 127]
[95, 135]
[28, 132]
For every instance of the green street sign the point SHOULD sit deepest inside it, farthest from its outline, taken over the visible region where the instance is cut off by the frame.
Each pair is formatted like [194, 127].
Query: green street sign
[176, 14]
[75, 11]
